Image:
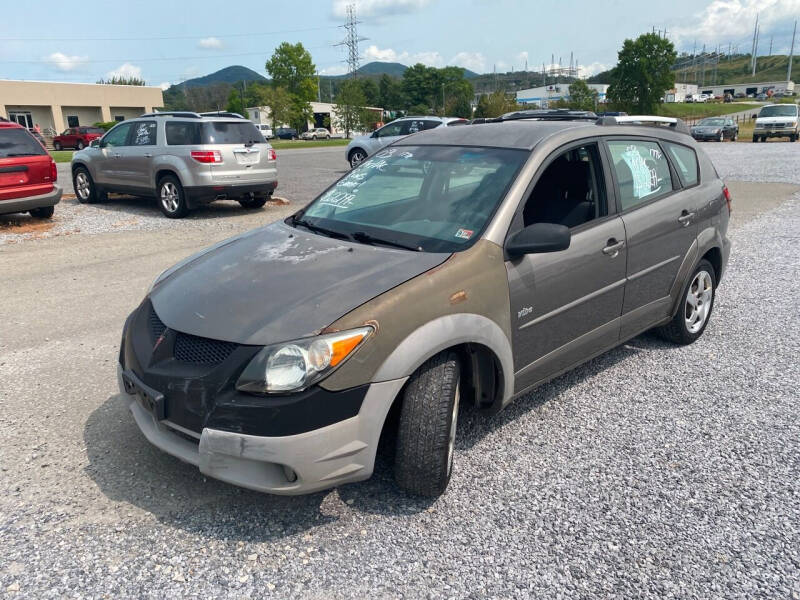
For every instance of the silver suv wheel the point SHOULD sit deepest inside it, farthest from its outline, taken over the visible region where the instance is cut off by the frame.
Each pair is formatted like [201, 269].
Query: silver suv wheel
[357, 157]
[170, 197]
[698, 301]
[83, 188]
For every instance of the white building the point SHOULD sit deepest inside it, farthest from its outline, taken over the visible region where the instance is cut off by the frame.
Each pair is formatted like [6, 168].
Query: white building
[748, 88]
[541, 96]
[680, 92]
[323, 111]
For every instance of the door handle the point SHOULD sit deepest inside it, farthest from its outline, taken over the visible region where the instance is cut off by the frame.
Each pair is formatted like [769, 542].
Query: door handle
[686, 217]
[116, 155]
[613, 247]
[148, 155]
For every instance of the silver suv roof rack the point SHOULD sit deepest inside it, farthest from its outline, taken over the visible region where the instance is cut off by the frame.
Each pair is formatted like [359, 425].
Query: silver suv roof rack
[173, 113]
[652, 120]
[221, 113]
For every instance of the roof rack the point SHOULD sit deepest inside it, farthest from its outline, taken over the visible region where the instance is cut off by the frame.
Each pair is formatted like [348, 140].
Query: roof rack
[543, 114]
[173, 113]
[649, 120]
[221, 113]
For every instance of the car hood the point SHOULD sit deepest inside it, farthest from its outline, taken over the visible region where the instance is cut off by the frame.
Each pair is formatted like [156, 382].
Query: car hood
[278, 283]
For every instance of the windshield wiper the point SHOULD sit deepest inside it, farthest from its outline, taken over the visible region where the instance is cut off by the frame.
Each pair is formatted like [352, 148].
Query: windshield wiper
[316, 228]
[366, 238]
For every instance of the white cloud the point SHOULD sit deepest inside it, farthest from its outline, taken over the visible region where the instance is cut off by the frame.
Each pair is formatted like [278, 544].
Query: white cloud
[210, 43]
[334, 70]
[164, 85]
[63, 62]
[430, 59]
[593, 69]
[724, 20]
[521, 60]
[126, 70]
[474, 61]
[378, 8]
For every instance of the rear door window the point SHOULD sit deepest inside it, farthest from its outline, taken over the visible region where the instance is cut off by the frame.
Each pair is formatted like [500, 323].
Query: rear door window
[685, 160]
[18, 142]
[642, 171]
[144, 133]
[228, 132]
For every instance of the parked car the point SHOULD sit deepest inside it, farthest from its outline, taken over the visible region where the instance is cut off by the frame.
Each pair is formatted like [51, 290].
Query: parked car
[183, 159]
[740, 95]
[363, 146]
[286, 133]
[777, 120]
[717, 129]
[28, 174]
[700, 98]
[316, 133]
[459, 265]
[77, 137]
[762, 97]
[265, 130]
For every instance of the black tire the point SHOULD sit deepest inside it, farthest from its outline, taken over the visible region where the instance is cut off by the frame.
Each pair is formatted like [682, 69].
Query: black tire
[251, 203]
[721, 137]
[313, 137]
[81, 145]
[677, 330]
[428, 417]
[735, 136]
[356, 157]
[44, 212]
[88, 193]
[171, 197]
[57, 146]
[755, 139]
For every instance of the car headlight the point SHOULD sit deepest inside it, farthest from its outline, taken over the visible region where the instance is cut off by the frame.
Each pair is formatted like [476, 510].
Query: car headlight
[295, 366]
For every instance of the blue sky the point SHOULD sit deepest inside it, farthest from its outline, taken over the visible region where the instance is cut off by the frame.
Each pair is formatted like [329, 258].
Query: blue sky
[168, 41]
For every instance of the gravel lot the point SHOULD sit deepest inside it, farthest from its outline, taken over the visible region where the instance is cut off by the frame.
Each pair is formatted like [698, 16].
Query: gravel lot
[652, 471]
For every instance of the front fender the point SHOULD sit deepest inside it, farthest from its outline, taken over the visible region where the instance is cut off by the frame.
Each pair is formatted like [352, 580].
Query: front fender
[445, 332]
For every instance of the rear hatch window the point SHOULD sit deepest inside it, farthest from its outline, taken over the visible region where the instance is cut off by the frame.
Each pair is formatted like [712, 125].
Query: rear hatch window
[184, 133]
[18, 142]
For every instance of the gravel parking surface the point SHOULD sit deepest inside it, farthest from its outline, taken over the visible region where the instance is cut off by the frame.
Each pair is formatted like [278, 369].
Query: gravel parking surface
[652, 471]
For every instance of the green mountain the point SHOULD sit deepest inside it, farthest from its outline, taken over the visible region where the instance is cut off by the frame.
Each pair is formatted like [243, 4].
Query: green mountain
[232, 74]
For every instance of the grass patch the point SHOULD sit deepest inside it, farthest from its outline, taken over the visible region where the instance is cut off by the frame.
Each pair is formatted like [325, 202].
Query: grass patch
[289, 144]
[700, 110]
[62, 156]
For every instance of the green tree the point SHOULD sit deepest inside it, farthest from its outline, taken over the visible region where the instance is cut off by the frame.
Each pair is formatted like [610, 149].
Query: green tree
[390, 93]
[581, 96]
[642, 74]
[279, 102]
[495, 104]
[291, 67]
[236, 101]
[371, 92]
[122, 80]
[349, 109]
[420, 85]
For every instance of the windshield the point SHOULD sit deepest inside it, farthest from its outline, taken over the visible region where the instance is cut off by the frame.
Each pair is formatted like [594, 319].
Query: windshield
[712, 122]
[778, 111]
[431, 198]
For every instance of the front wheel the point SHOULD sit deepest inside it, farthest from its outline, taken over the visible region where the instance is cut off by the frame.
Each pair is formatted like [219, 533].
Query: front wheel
[427, 430]
[57, 146]
[697, 302]
[735, 136]
[81, 145]
[313, 137]
[44, 212]
[85, 189]
[171, 198]
[357, 157]
[755, 139]
[721, 137]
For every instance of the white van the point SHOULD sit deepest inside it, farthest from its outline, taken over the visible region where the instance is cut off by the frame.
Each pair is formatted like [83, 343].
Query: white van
[265, 130]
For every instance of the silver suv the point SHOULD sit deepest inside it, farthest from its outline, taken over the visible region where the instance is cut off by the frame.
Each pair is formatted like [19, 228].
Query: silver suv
[367, 145]
[182, 158]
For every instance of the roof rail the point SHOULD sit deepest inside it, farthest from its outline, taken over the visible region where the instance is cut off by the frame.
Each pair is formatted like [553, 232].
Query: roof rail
[543, 114]
[221, 113]
[173, 113]
[651, 120]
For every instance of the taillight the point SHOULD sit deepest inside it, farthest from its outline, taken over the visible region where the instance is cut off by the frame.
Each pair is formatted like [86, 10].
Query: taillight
[271, 155]
[727, 195]
[53, 171]
[207, 156]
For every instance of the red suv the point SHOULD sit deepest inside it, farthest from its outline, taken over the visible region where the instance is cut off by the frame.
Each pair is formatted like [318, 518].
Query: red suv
[77, 137]
[27, 173]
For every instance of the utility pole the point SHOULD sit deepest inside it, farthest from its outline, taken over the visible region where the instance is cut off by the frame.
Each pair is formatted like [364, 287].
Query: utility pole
[351, 41]
[791, 53]
[753, 47]
[770, 46]
[755, 53]
[703, 80]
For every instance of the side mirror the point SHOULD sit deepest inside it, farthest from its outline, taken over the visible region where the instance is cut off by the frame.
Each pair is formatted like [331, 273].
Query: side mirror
[538, 238]
[94, 143]
[374, 134]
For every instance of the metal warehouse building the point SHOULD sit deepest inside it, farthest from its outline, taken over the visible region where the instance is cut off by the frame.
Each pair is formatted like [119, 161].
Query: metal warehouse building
[748, 88]
[56, 106]
[542, 95]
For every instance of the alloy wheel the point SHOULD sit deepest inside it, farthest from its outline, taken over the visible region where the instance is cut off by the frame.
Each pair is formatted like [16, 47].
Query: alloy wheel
[82, 186]
[699, 297]
[170, 197]
[357, 158]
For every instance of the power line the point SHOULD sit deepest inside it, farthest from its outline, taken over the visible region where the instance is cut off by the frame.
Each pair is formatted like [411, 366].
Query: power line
[168, 37]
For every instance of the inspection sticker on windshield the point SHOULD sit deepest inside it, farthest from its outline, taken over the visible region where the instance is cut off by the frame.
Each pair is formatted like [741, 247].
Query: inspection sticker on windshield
[464, 234]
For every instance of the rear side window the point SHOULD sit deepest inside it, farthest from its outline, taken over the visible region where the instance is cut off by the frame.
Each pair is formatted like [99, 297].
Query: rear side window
[685, 160]
[225, 132]
[18, 142]
[144, 133]
[182, 133]
[642, 171]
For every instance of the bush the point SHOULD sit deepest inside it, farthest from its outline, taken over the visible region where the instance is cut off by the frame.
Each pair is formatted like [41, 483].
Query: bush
[105, 125]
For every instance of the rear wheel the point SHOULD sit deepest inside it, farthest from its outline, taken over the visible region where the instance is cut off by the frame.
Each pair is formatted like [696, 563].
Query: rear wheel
[697, 302]
[313, 137]
[427, 430]
[171, 198]
[253, 202]
[57, 145]
[357, 156]
[45, 212]
[755, 139]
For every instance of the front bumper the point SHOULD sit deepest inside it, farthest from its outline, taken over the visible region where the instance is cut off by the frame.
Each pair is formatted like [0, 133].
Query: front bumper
[16, 205]
[319, 459]
[775, 132]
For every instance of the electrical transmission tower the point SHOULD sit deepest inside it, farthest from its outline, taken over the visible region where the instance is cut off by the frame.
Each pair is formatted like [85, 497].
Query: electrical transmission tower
[351, 40]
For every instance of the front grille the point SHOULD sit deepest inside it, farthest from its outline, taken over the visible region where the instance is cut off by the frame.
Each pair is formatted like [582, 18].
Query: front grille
[155, 325]
[201, 351]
